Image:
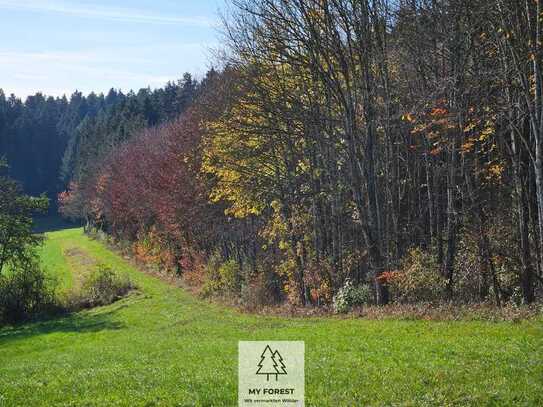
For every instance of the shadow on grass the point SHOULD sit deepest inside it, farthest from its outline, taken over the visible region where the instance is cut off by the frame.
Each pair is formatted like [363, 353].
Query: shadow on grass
[75, 323]
[52, 223]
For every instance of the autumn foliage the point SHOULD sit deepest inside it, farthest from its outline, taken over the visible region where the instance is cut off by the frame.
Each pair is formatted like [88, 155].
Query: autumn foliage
[148, 192]
[391, 151]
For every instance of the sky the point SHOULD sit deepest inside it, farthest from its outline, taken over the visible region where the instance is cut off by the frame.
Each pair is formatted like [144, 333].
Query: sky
[59, 46]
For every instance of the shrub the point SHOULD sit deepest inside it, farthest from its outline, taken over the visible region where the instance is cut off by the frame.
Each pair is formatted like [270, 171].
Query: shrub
[221, 277]
[418, 280]
[210, 288]
[25, 292]
[361, 295]
[230, 276]
[104, 286]
[212, 280]
[350, 296]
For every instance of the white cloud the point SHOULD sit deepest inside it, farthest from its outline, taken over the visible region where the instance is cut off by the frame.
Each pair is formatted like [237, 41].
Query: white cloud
[100, 56]
[59, 72]
[105, 13]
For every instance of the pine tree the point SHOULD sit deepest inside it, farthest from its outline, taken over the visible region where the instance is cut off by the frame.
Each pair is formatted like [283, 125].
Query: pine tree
[279, 361]
[268, 365]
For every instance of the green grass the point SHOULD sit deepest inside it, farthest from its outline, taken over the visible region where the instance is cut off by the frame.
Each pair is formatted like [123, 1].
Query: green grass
[53, 259]
[164, 347]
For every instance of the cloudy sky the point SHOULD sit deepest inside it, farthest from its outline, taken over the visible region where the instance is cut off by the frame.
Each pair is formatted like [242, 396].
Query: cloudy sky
[58, 46]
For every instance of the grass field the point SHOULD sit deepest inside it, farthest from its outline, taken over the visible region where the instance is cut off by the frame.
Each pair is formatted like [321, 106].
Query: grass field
[161, 346]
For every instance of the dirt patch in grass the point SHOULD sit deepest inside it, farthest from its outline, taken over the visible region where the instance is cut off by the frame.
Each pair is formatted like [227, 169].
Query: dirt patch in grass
[81, 264]
[82, 257]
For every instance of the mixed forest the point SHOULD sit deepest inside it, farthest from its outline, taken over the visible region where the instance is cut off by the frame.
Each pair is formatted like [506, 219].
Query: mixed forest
[346, 153]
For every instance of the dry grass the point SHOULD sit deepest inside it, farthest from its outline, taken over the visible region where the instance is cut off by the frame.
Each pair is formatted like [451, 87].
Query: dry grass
[407, 312]
[453, 312]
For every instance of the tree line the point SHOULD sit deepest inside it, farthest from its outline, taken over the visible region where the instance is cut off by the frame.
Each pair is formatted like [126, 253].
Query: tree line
[394, 145]
[49, 141]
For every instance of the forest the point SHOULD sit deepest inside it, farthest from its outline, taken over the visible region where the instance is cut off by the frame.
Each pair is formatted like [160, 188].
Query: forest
[345, 153]
[49, 141]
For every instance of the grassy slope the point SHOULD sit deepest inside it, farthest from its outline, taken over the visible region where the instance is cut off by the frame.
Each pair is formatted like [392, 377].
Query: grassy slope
[53, 260]
[163, 347]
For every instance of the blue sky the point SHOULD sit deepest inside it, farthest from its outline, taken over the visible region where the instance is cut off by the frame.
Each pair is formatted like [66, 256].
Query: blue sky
[58, 46]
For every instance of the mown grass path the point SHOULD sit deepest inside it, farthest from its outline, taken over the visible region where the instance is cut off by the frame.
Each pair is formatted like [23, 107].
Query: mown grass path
[164, 347]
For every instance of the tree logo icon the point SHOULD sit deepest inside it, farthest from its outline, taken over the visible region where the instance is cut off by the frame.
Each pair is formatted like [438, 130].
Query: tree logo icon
[271, 364]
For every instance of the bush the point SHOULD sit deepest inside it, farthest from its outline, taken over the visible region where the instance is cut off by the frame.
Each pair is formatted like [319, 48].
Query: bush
[24, 293]
[230, 276]
[419, 279]
[104, 286]
[350, 296]
[221, 277]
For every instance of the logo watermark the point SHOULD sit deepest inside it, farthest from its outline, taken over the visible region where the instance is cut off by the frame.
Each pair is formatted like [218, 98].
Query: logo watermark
[271, 373]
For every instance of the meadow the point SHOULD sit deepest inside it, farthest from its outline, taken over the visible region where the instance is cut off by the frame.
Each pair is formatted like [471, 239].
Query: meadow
[161, 346]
